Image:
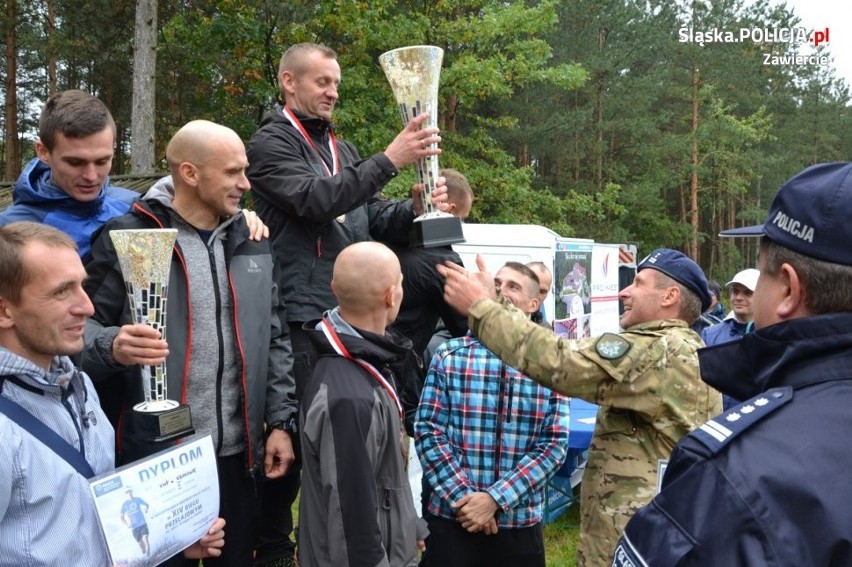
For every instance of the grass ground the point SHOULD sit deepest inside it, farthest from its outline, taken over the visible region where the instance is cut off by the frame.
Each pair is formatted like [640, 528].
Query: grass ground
[561, 537]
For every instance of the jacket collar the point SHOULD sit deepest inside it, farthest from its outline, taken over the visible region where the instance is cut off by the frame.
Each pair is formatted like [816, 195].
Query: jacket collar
[376, 349]
[316, 126]
[35, 187]
[796, 353]
[158, 199]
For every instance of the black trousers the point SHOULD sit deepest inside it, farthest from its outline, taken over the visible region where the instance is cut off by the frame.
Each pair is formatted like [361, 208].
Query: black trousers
[450, 545]
[274, 541]
[238, 504]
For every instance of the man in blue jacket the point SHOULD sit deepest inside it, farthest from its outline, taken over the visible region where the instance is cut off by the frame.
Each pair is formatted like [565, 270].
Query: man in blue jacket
[738, 322]
[768, 482]
[734, 326]
[67, 185]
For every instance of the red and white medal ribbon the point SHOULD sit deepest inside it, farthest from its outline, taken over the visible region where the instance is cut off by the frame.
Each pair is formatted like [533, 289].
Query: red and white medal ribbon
[340, 349]
[332, 142]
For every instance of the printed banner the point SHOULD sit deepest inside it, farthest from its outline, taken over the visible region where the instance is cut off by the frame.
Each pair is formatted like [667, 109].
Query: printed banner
[156, 507]
[586, 278]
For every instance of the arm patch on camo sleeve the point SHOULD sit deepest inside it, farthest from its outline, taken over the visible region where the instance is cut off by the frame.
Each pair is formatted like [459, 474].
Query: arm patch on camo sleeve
[611, 346]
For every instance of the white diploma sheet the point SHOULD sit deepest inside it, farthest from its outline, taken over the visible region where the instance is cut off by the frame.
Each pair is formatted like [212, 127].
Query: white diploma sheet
[156, 507]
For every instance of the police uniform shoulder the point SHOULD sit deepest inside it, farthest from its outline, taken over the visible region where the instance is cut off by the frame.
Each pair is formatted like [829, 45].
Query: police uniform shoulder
[718, 432]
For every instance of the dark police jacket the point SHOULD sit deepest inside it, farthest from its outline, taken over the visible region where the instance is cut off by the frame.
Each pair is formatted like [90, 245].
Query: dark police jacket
[768, 482]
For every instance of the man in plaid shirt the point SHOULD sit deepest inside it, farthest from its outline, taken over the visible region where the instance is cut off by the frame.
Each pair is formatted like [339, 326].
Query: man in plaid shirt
[488, 438]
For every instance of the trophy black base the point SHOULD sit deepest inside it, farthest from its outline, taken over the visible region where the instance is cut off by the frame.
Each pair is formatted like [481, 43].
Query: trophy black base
[164, 425]
[429, 232]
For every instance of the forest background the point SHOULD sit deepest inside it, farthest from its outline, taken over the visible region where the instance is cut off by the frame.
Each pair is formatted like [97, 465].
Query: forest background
[592, 117]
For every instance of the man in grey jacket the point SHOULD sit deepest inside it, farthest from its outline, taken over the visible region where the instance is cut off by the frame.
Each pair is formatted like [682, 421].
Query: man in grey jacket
[229, 356]
[356, 507]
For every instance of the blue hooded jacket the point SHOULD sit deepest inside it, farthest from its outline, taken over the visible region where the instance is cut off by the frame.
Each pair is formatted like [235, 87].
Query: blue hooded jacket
[35, 198]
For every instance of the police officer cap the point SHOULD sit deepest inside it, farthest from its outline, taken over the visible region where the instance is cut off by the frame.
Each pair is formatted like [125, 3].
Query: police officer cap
[682, 269]
[810, 214]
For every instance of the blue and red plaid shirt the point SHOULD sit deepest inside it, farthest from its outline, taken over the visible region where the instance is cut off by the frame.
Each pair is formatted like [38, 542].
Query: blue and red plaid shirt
[482, 426]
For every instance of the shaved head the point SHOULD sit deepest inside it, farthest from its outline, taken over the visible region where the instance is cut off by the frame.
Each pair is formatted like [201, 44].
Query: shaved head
[367, 281]
[208, 163]
[545, 278]
[195, 142]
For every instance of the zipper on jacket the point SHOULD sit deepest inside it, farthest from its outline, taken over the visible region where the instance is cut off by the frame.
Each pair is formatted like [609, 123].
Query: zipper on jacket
[319, 246]
[66, 393]
[499, 433]
[511, 396]
[219, 335]
[386, 505]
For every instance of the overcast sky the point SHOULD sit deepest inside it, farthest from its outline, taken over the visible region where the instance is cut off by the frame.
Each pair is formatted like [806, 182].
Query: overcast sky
[835, 15]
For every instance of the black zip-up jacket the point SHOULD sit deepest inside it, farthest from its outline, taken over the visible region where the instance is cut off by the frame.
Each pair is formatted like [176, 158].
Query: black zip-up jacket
[264, 352]
[313, 216]
[423, 301]
[766, 483]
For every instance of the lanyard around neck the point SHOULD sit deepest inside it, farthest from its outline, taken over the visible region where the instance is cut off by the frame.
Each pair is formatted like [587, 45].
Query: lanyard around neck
[332, 142]
[340, 349]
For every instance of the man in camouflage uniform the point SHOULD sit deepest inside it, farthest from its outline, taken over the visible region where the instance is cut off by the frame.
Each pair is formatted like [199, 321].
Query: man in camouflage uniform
[645, 380]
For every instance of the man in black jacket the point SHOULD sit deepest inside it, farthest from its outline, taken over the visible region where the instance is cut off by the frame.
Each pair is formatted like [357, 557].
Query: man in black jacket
[318, 196]
[229, 357]
[423, 303]
[767, 482]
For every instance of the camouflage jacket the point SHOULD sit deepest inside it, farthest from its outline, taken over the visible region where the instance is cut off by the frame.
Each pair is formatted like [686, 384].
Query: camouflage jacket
[647, 384]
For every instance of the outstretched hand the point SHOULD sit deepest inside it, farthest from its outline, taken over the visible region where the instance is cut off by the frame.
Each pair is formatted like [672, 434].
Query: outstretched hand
[463, 288]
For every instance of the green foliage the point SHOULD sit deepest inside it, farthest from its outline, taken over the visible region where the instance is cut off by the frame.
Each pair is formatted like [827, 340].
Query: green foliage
[575, 114]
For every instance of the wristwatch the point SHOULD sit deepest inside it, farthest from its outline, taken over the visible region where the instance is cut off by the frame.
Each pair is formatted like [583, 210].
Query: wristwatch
[290, 425]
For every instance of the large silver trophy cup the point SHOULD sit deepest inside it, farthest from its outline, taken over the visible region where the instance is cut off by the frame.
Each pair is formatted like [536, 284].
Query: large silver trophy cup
[145, 256]
[414, 73]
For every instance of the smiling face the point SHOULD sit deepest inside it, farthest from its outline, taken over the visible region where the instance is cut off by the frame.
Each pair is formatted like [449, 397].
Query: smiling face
[642, 299]
[79, 166]
[741, 298]
[311, 86]
[519, 289]
[222, 179]
[50, 315]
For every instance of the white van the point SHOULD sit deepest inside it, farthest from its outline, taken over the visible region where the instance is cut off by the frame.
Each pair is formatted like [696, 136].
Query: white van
[587, 275]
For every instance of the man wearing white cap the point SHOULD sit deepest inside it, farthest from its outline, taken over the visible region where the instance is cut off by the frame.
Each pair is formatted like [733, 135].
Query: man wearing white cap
[741, 290]
[738, 321]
